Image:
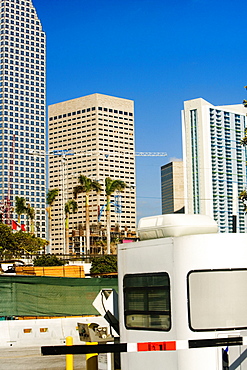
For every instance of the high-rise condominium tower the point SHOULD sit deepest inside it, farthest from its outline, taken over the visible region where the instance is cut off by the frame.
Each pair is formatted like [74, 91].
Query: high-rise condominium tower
[22, 110]
[172, 187]
[99, 130]
[215, 161]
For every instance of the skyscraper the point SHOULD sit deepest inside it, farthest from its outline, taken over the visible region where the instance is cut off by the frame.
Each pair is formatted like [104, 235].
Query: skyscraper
[172, 187]
[215, 161]
[96, 135]
[22, 110]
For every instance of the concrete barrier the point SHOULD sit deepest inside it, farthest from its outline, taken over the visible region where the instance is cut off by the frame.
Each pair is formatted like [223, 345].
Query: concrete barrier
[42, 332]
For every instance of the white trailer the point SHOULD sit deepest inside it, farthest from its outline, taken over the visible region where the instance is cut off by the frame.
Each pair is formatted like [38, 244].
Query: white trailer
[185, 285]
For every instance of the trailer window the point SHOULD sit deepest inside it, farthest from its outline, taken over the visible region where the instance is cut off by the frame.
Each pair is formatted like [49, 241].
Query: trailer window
[217, 299]
[147, 301]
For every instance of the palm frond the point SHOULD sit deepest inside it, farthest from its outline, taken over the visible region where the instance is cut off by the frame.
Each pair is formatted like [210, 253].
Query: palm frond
[86, 185]
[70, 206]
[30, 212]
[77, 190]
[112, 185]
[20, 205]
[51, 196]
[243, 197]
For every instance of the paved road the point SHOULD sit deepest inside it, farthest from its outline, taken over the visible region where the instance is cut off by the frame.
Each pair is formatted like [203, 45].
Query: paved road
[31, 359]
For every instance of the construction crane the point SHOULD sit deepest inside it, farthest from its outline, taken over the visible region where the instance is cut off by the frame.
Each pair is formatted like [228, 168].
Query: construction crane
[117, 205]
[63, 153]
[87, 153]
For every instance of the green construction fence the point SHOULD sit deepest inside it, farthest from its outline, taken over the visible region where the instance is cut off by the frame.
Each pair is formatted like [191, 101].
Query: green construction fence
[50, 296]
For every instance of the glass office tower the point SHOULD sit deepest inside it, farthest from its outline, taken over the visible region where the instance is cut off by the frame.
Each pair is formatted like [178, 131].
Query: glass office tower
[22, 111]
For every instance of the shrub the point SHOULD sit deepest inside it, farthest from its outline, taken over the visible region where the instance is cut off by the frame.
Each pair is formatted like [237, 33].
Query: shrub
[48, 260]
[104, 264]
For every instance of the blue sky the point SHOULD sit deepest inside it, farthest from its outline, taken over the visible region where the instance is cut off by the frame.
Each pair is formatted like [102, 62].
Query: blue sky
[155, 52]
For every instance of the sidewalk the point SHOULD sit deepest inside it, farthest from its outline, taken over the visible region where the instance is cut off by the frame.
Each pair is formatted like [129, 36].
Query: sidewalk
[29, 358]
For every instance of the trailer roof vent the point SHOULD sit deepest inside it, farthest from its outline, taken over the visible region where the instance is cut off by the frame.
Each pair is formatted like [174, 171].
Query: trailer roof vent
[172, 225]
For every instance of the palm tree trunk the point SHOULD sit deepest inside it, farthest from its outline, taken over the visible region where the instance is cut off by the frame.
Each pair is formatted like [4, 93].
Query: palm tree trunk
[67, 234]
[49, 226]
[31, 227]
[50, 239]
[108, 224]
[87, 225]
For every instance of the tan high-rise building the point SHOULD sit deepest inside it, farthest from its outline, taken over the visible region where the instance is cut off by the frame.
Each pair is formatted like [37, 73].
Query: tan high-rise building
[172, 187]
[92, 136]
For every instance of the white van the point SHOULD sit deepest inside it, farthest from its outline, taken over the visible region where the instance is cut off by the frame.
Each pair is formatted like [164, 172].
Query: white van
[183, 296]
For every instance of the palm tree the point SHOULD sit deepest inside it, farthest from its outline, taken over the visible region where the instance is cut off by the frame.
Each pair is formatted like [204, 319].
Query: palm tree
[70, 207]
[50, 198]
[20, 207]
[110, 187]
[243, 141]
[31, 214]
[86, 186]
[243, 197]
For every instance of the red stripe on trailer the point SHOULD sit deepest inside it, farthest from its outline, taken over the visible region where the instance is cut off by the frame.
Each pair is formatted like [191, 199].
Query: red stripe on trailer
[171, 346]
[156, 346]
